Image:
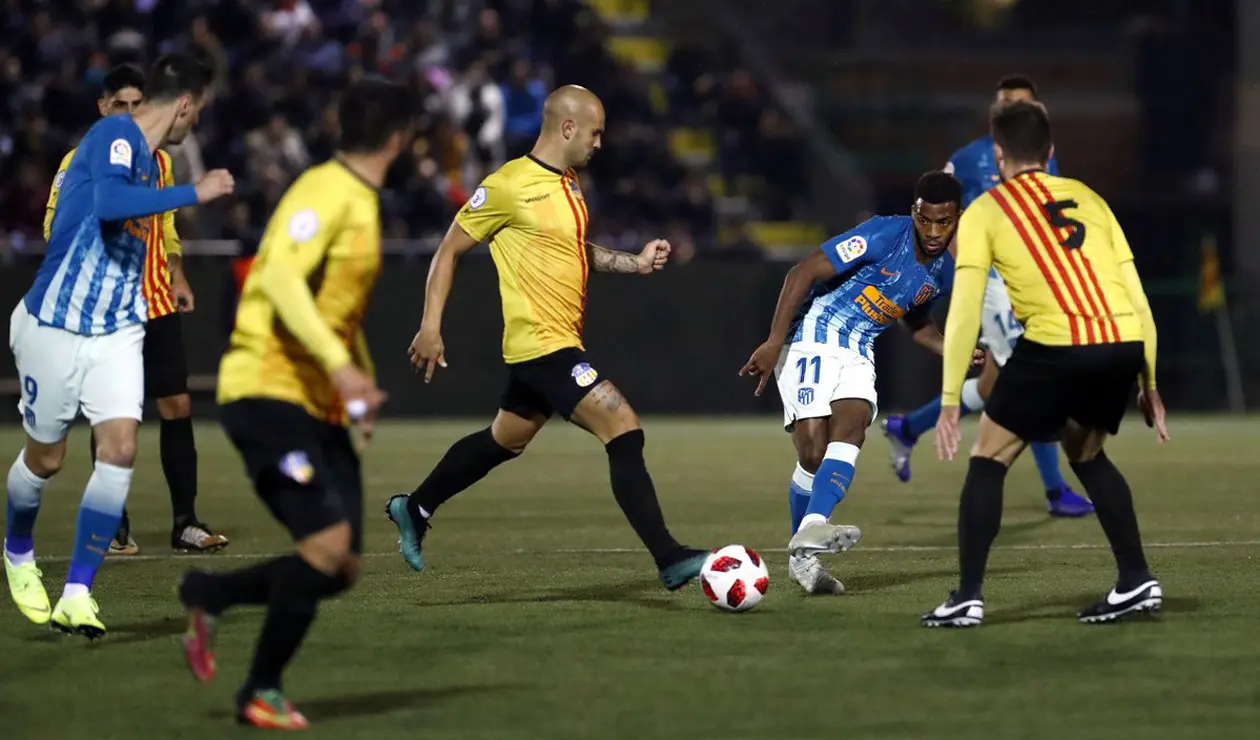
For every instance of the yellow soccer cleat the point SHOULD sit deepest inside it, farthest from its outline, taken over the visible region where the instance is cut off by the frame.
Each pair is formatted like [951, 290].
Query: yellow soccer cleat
[28, 590]
[76, 615]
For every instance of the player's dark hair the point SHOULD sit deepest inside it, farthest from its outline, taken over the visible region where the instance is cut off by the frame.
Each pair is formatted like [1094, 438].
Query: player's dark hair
[1018, 82]
[938, 187]
[371, 111]
[175, 75]
[122, 77]
[1022, 130]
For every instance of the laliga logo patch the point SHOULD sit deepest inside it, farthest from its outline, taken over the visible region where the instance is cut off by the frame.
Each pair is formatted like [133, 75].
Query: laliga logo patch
[120, 153]
[60, 178]
[478, 199]
[583, 374]
[851, 248]
[297, 466]
[303, 226]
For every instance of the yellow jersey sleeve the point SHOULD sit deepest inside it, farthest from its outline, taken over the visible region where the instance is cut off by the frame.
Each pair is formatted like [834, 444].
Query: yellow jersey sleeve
[54, 192]
[491, 207]
[170, 237]
[971, 276]
[295, 246]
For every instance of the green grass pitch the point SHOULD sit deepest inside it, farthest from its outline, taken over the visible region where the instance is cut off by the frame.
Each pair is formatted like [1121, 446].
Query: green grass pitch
[540, 617]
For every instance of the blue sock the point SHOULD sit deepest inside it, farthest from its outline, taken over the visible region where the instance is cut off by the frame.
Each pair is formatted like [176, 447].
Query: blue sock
[832, 480]
[1047, 456]
[799, 492]
[99, 514]
[25, 490]
[922, 419]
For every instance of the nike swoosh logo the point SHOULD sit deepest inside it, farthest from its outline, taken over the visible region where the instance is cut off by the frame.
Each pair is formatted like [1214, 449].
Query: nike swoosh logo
[1115, 597]
[886, 273]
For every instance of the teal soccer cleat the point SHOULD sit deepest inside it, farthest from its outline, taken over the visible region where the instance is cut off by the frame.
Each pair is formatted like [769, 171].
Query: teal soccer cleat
[411, 531]
[680, 572]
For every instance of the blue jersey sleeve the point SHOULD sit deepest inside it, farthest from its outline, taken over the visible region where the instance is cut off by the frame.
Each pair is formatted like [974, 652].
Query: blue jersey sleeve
[855, 247]
[111, 151]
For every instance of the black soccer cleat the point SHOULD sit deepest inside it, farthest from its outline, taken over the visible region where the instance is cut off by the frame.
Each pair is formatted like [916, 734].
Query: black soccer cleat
[955, 612]
[1144, 599]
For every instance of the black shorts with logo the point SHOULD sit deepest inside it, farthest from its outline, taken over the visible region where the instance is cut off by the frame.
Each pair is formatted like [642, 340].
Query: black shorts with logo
[165, 366]
[554, 383]
[305, 470]
[1042, 387]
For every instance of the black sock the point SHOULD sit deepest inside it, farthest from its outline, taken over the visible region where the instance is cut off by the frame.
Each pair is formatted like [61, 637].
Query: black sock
[295, 597]
[636, 495]
[218, 592]
[1113, 504]
[466, 462]
[979, 519]
[179, 465]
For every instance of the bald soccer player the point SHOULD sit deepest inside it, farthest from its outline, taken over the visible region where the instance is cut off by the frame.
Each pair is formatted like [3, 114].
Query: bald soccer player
[532, 212]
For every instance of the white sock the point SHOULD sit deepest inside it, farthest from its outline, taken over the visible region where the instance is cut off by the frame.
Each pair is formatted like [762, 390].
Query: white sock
[971, 396]
[74, 589]
[26, 492]
[803, 479]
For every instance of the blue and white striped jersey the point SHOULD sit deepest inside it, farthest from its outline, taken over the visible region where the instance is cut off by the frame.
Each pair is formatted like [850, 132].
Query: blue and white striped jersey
[975, 166]
[878, 280]
[90, 279]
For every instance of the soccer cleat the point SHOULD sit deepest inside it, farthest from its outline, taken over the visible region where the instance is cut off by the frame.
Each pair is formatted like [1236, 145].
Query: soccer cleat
[817, 537]
[900, 445]
[123, 544]
[269, 710]
[955, 612]
[76, 615]
[686, 566]
[27, 589]
[197, 537]
[1146, 598]
[808, 572]
[198, 643]
[411, 531]
[1069, 504]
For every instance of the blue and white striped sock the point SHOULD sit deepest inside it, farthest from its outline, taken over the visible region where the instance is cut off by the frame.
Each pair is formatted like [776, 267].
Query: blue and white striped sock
[99, 515]
[25, 492]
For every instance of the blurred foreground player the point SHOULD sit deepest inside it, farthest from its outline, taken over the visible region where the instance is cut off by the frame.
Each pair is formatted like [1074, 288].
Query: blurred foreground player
[821, 349]
[976, 168]
[1088, 336]
[78, 333]
[296, 375]
[533, 214]
[167, 293]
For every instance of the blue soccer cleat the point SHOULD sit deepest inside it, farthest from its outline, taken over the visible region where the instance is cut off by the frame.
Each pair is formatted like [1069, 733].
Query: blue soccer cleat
[411, 531]
[1069, 504]
[682, 570]
[901, 445]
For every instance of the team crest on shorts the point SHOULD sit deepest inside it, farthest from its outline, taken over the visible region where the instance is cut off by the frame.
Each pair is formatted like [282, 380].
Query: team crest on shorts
[805, 396]
[583, 374]
[297, 466]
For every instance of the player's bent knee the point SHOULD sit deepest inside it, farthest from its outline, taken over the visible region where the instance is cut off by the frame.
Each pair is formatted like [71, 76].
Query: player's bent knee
[175, 407]
[44, 460]
[513, 432]
[328, 550]
[849, 421]
[606, 413]
[116, 442]
[1082, 444]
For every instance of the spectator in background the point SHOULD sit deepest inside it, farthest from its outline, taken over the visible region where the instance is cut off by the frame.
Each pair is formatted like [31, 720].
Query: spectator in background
[523, 96]
[476, 105]
[288, 21]
[276, 151]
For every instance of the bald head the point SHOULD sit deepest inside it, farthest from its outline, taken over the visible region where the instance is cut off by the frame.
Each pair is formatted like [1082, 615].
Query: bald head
[573, 125]
[571, 102]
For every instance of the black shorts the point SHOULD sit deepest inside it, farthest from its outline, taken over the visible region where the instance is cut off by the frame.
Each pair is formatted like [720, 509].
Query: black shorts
[306, 471]
[1040, 388]
[554, 383]
[165, 366]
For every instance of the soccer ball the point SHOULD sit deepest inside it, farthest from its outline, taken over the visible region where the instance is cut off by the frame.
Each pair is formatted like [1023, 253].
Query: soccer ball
[734, 578]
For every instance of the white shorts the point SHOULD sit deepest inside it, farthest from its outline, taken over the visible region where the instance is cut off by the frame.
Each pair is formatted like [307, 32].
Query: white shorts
[998, 327]
[63, 373]
[810, 376]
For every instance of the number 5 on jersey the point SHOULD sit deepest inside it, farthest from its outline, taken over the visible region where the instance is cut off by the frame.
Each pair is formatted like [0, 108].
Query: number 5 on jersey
[1076, 230]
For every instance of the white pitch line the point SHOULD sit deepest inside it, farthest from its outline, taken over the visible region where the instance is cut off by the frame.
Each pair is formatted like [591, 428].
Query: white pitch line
[635, 550]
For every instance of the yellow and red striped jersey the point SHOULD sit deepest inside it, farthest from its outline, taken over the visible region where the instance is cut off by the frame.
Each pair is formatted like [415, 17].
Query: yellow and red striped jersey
[535, 219]
[1059, 248]
[163, 238]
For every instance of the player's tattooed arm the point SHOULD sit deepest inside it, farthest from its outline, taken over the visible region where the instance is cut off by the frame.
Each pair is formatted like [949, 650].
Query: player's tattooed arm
[612, 260]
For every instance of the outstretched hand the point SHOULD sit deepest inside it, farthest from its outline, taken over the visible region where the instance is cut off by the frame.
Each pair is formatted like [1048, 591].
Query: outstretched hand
[762, 363]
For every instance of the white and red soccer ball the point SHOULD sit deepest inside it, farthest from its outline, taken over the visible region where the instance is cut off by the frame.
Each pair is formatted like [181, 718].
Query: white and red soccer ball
[734, 578]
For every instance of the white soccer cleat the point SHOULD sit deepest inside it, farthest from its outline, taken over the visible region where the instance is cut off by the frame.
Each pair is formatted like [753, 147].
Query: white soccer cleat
[818, 537]
[808, 572]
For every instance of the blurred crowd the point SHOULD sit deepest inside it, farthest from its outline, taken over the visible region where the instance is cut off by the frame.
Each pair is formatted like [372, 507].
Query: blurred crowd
[480, 70]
